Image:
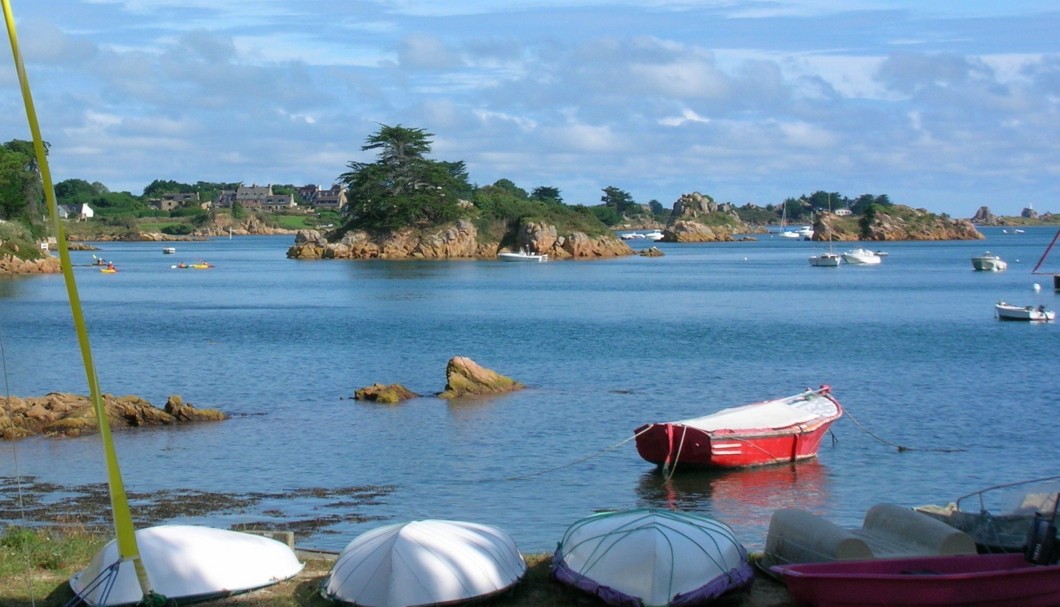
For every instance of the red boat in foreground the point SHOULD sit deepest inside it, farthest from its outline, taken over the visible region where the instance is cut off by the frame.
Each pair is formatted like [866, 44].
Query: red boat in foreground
[994, 580]
[768, 432]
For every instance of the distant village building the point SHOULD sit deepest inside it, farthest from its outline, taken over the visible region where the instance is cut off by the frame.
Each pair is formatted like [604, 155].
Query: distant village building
[333, 198]
[278, 203]
[253, 196]
[83, 212]
[307, 194]
[225, 198]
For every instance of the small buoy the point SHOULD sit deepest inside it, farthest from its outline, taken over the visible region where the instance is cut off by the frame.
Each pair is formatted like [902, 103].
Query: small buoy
[1037, 287]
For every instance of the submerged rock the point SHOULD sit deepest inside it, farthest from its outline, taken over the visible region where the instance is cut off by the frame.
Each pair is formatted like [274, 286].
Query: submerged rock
[464, 377]
[387, 394]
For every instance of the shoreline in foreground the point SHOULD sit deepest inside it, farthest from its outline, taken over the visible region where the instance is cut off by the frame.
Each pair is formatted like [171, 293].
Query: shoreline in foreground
[35, 565]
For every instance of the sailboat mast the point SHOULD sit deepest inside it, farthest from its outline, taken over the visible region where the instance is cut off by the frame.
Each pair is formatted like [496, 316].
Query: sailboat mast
[1046, 253]
[123, 525]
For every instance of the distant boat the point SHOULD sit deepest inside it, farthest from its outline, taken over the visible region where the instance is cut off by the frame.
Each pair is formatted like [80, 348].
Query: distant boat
[655, 235]
[931, 581]
[650, 556]
[1006, 311]
[825, 260]
[169, 250]
[427, 562]
[768, 432]
[805, 233]
[861, 257]
[524, 255]
[989, 262]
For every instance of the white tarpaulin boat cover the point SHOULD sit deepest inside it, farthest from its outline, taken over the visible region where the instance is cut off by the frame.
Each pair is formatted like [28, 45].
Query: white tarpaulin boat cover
[652, 557]
[779, 413]
[188, 563]
[426, 562]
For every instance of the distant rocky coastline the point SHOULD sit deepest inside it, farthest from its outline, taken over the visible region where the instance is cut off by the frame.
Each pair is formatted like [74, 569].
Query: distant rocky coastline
[459, 240]
[63, 414]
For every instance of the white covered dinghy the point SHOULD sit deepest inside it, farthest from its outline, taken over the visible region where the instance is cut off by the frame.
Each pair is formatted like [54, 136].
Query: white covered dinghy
[187, 563]
[428, 562]
[652, 557]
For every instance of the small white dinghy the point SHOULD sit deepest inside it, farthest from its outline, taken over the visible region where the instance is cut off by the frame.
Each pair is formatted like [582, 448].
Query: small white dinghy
[652, 557]
[186, 564]
[428, 562]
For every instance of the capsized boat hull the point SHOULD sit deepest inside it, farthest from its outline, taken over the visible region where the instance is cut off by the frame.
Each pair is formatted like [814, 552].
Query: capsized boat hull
[427, 562]
[651, 557]
[187, 564]
[995, 580]
[769, 432]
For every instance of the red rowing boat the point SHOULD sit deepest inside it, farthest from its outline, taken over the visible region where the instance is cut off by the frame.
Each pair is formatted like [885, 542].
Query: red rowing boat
[769, 432]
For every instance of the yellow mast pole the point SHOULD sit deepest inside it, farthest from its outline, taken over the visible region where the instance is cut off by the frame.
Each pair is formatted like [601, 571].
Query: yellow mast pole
[123, 525]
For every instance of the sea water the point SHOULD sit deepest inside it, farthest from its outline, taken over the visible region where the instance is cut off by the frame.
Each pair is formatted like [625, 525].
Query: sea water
[942, 398]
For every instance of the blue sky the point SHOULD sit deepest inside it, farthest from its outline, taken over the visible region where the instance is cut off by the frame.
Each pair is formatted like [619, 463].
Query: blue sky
[947, 106]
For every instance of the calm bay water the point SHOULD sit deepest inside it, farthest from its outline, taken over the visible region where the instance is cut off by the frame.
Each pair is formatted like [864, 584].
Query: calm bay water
[910, 347]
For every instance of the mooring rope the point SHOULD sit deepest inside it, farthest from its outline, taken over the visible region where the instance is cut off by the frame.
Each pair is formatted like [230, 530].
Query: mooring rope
[577, 461]
[900, 448]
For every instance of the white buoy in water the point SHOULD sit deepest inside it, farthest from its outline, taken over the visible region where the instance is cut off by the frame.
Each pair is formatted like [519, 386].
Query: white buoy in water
[1037, 287]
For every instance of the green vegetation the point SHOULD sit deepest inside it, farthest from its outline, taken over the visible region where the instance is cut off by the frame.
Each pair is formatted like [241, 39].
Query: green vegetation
[405, 188]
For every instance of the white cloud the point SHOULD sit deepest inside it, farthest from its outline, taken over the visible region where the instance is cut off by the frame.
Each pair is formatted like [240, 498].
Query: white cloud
[658, 97]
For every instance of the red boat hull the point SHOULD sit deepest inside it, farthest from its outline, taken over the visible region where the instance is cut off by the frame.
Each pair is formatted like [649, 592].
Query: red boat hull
[663, 444]
[978, 580]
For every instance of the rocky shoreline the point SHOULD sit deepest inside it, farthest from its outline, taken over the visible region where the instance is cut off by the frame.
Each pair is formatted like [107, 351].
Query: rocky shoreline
[64, 414]
[460, 240]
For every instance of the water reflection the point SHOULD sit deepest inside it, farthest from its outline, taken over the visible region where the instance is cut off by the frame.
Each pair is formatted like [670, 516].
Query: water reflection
[10, 286]
[745, 499]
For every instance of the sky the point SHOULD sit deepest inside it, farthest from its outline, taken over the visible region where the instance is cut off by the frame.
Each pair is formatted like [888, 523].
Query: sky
[946, 106]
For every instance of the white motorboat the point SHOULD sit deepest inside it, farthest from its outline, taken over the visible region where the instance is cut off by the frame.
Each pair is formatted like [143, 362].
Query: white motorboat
[524, 255]
[632, 236]
[825, 260]
[652, 557]
[655, 235]
[1007, 311]
[861, 257]
[169, 250]
[989, 262]
[186, 563]
[789, 234]
[805, 233]
[428, 562]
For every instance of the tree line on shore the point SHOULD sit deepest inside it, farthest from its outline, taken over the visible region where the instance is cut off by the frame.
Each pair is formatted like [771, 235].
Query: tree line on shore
[403, 187]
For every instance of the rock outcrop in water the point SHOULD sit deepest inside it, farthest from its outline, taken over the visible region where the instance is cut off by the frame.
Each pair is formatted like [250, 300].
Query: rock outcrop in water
[464, 377]
[63, 414]
[383, 393]
[459, 240]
